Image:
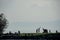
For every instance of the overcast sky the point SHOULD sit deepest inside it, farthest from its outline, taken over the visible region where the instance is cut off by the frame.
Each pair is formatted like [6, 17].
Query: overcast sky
[28, 15]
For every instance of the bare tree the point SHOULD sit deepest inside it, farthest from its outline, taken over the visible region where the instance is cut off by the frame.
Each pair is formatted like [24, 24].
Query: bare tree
[3, 23]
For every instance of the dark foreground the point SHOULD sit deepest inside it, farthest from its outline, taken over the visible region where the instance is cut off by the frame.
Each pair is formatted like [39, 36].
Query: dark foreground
[52, 36]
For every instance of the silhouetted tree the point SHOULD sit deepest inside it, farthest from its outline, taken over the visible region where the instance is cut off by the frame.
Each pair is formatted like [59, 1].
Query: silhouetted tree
[3, 23]
[45, 30]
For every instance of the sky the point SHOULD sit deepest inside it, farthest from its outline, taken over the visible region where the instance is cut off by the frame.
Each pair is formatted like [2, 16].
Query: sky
[28, 15]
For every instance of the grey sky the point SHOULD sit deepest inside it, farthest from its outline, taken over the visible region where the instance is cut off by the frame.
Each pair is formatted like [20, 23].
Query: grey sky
[31, 13]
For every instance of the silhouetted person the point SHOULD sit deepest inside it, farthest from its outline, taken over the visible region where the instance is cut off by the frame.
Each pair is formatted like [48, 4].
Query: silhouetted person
[56, 31]
[49, 31]
[18, 32]
[10, 32]
[15, 33]
[45, 30]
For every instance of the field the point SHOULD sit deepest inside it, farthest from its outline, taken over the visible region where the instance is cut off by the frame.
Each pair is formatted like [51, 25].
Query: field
[37, 34]
[48, 36]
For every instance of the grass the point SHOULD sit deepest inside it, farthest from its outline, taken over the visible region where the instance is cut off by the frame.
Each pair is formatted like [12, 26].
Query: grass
[36, 34]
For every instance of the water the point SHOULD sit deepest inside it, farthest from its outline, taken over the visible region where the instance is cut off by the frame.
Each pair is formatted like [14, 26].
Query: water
[25, 39]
